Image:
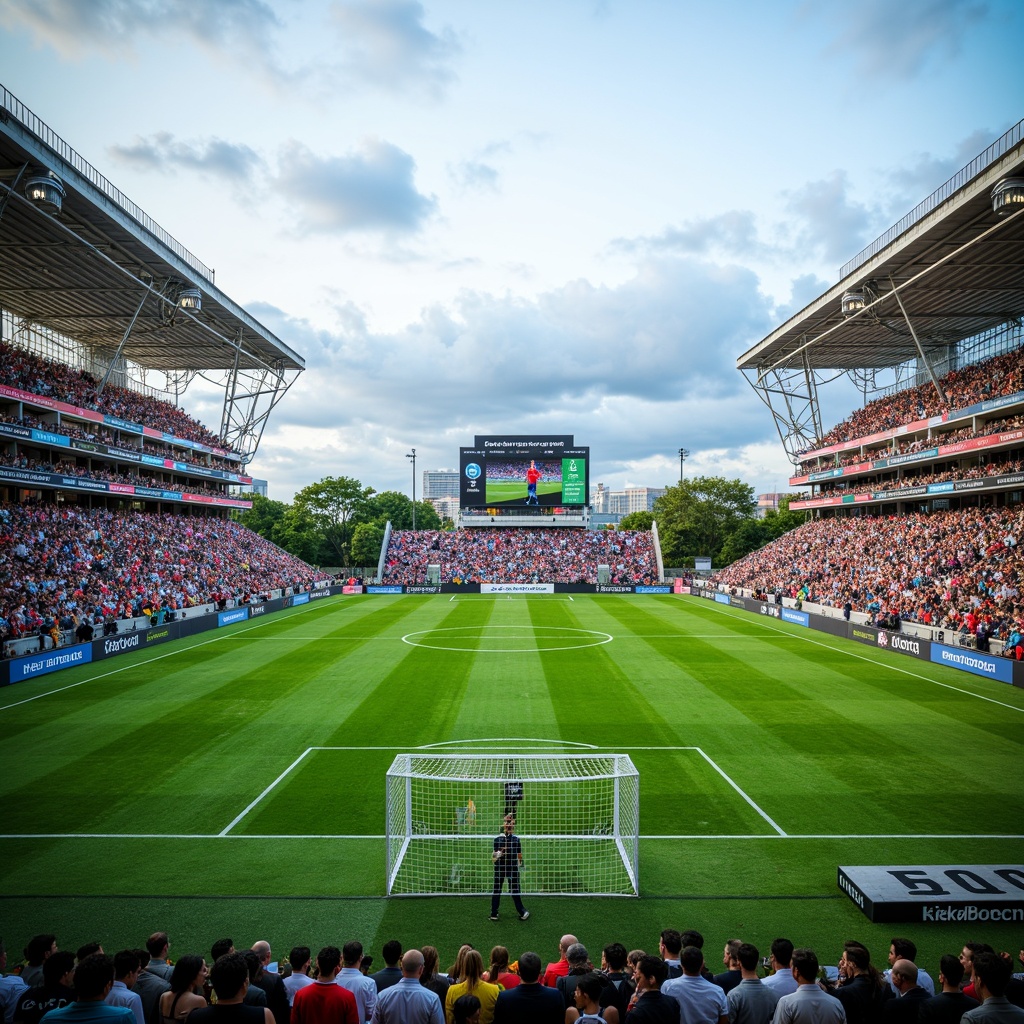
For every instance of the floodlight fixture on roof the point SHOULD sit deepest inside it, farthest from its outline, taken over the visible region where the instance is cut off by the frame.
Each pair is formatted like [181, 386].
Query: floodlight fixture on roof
[1008, 196]
[851, 303]
[46, 191]
[190, 299]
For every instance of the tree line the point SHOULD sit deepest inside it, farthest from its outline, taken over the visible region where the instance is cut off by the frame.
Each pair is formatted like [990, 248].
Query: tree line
[337, 521]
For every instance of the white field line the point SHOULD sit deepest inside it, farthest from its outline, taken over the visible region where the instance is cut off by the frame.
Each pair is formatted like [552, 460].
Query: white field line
[673, 838]
[227, 828]
[149, 661]
[883, 664]
[740, 791]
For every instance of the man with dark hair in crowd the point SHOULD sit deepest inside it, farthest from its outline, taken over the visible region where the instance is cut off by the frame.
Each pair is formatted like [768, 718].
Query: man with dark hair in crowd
[698, 999]
[352, 978]
[949, 1005]
[12, 988]
[670, 945]
[992, 974]
[254, 995]
[325, 1001]
[529, 1002]
[906, 949]
[158, 945]
[299, 958]
[970, 951]
[271, 983]
[694, 938]
[650, 1004]
[620, 987]
[87, 950]
[149, 988]
[229, 977]
[221, 948]
[861, 989]
[906, 1007]
[126, 971]
[750, 1002]
[94, 978]
[54, 992]
[390, 974]
[38, 949]
[782, 981]
[732, 975]
[808, 1004]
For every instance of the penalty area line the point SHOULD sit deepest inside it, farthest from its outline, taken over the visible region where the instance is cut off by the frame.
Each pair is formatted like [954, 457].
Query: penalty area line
[227, 828]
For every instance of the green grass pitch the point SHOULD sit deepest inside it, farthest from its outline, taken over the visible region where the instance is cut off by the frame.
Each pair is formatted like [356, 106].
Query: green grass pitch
[515, 490]
[233, 783]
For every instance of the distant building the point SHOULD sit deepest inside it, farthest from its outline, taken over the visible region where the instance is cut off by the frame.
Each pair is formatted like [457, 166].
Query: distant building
[622, 503]
[769, 501]
[441, 483]
[447, 508]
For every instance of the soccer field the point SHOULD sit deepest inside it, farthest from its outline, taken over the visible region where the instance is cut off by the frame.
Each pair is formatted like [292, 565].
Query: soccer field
[234, 782]
[515, 490]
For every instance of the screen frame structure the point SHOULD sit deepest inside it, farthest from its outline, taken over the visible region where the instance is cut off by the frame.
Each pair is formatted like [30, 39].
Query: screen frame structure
[479, 488]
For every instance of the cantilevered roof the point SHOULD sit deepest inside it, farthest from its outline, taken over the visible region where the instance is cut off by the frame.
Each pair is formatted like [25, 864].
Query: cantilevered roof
[101, 269]
[957, 268]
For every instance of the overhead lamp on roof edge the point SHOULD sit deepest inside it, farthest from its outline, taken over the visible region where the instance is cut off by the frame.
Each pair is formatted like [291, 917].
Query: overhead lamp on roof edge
[1007, 196]
[190, 299]
[45, 191]
[852, 302]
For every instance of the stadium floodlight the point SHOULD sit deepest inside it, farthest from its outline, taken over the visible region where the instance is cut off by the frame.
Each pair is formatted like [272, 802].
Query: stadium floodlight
[577, 815]
[46, 191]
[1008, 196]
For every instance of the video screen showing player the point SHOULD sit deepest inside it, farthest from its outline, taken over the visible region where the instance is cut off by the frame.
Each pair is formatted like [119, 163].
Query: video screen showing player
[524, 481]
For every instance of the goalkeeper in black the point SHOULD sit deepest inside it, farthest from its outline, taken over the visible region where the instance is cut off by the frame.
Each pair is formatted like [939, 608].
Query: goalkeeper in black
[507, 857]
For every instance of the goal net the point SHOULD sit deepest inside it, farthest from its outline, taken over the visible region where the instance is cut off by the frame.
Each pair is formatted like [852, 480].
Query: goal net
[577, 816]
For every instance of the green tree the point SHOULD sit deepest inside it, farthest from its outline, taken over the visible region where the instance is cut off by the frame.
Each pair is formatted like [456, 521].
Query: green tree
[637, 521]
[696, 516]
[265, 517]
[367, 539]
[333, 505]
[393, 505]
[782, 521]
[748, 536]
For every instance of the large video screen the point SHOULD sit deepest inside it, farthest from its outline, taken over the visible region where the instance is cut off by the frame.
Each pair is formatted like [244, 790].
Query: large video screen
[528, 472]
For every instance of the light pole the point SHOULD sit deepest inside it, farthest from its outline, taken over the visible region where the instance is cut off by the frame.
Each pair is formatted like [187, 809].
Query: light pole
[412, 455]
[683, 453]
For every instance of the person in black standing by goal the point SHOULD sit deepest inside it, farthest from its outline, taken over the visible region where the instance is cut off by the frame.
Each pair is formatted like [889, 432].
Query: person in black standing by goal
[508, 859]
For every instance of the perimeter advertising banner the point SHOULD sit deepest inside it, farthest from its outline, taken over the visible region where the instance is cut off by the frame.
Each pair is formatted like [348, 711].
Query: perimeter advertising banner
[937, 893]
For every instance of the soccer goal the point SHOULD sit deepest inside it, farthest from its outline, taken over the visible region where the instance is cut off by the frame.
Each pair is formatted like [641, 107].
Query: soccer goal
[577, 816]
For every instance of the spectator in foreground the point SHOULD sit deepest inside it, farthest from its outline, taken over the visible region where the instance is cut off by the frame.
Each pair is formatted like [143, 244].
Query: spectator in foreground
[54, 992]
[94, 978]
[950, 1004]
[300, 959]
[992, 975]
[650, 1005]
[782, 982]
[229, 977]
[325, 1000]
[750, 1002]
[697, 998]
[808, 1004]
[529, 1002]
[407, 1001]
[352, 978]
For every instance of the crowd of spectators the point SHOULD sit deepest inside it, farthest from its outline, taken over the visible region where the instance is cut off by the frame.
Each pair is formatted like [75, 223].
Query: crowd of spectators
[521, 555]
[957, 570]
[908, 446]
[62, 565]
[919, 478]
[29, 372]
[678, 983]
[66, 467]
[979, 382]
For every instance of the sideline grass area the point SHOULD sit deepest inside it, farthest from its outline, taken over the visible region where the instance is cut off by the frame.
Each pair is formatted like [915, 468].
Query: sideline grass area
[123, 784]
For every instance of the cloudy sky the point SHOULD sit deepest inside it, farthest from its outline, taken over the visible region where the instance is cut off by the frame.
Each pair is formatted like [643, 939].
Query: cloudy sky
[477, 216]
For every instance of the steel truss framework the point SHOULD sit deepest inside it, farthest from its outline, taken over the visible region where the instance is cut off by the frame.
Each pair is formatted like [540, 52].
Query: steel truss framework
[950, 271]
[101, 274]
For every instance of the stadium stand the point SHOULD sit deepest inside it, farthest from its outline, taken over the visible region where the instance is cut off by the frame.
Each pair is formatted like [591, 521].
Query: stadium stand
[64, 565]
[521, 555]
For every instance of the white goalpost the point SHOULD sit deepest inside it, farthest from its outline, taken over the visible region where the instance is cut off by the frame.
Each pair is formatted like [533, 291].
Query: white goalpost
[577, 816]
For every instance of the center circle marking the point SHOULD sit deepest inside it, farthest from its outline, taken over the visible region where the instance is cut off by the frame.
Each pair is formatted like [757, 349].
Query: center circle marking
[526, 639]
